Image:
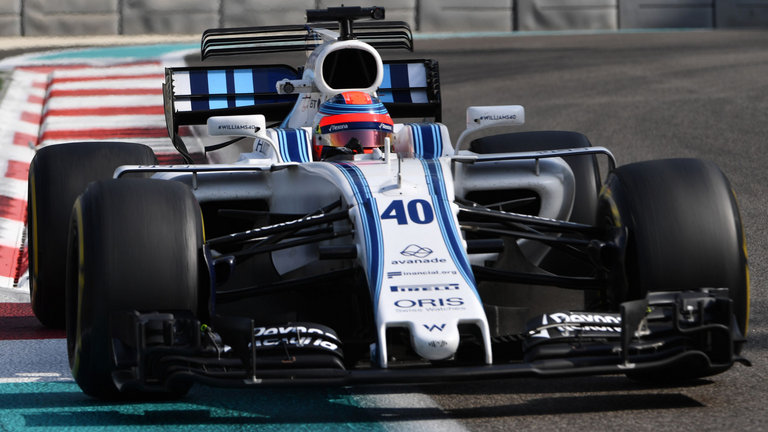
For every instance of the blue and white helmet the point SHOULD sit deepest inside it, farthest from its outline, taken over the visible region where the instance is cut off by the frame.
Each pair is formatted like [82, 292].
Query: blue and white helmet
[349, 123]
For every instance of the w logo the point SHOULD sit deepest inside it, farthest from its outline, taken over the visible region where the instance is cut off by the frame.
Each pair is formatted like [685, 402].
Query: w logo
[434, 327]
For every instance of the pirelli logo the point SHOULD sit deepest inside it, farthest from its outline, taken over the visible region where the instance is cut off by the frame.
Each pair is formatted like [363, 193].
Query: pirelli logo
[423, 288]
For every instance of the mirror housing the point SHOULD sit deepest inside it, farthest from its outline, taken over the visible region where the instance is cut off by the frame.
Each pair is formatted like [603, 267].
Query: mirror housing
[501, 115]
[253, 125]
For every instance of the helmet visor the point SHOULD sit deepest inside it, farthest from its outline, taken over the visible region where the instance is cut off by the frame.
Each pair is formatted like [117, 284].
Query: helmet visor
[365, 138]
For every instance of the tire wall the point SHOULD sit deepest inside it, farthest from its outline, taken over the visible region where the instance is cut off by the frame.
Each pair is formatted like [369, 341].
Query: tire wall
[135, 17]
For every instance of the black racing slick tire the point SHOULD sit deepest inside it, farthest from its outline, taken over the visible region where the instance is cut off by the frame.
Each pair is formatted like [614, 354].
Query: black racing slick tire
[684, 230]
[584, 167]
[134, 246]
[57, 175]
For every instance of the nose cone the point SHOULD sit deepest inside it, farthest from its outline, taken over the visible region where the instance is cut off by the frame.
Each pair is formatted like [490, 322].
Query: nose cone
[435, 341]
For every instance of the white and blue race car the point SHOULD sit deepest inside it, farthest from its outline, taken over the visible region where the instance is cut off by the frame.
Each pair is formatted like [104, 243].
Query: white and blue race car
[340, 246]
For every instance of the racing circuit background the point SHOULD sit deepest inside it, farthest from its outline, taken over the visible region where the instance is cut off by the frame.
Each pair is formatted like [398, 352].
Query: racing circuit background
[140, 17]
[644, 95]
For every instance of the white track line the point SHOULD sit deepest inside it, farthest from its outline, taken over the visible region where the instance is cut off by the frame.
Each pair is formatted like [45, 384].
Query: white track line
[37, 360]
[404, 401]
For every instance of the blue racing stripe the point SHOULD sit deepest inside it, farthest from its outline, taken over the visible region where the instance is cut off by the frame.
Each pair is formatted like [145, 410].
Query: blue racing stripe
[399, 78]
[369, 212]
[217, 84]
[243, 84]
[304, 144]
[385, 94]
[436, 143]
[230, 74]
[418, 145]
[427, 140]
[281, 144]
[198, 85]
[260, 79]
[336, 108]
[293, 145]
[451, 235]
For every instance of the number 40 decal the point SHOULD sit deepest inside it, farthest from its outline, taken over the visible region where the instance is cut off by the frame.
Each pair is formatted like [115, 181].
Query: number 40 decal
[418, 211]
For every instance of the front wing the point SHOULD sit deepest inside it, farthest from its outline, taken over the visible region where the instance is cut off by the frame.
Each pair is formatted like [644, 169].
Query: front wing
[664, 334]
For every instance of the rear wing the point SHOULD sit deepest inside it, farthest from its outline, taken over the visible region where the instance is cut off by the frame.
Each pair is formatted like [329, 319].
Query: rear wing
[193, 94]
[287, 38]
[410, 89]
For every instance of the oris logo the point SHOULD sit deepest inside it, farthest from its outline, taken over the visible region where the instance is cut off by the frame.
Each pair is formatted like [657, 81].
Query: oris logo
[427, 302]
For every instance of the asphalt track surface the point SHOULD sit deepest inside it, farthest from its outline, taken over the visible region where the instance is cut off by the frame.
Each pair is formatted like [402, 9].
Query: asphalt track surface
[645, 96]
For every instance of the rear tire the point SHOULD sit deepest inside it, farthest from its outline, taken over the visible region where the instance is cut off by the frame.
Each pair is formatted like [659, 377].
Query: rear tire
[134, 245]
[684, 232]
[542, 299]
[585, 169]
[57, 175]
[585, 172]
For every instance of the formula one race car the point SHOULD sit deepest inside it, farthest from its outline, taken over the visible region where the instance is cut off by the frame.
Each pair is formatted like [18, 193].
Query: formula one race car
[340, 247]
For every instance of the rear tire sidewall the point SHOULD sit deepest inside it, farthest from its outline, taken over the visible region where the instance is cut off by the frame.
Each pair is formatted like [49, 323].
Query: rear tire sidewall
[57, 175]
[134, 245]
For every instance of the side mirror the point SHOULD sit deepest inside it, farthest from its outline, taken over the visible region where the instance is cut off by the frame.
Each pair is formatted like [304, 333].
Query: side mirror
[486, 120]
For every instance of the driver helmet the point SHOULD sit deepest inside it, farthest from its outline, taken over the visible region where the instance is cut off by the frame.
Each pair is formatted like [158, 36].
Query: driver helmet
[351, 123]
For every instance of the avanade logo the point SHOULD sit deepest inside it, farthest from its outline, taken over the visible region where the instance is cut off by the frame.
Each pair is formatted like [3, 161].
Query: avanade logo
[413, 250]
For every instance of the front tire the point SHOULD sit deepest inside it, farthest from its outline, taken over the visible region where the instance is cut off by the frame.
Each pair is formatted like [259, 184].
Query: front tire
[134, 245]
[684, 231]
[57, 175]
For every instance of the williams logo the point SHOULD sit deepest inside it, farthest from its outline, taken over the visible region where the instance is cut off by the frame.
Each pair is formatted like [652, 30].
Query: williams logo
[434, 327]
[498, 117]
[416, 251]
